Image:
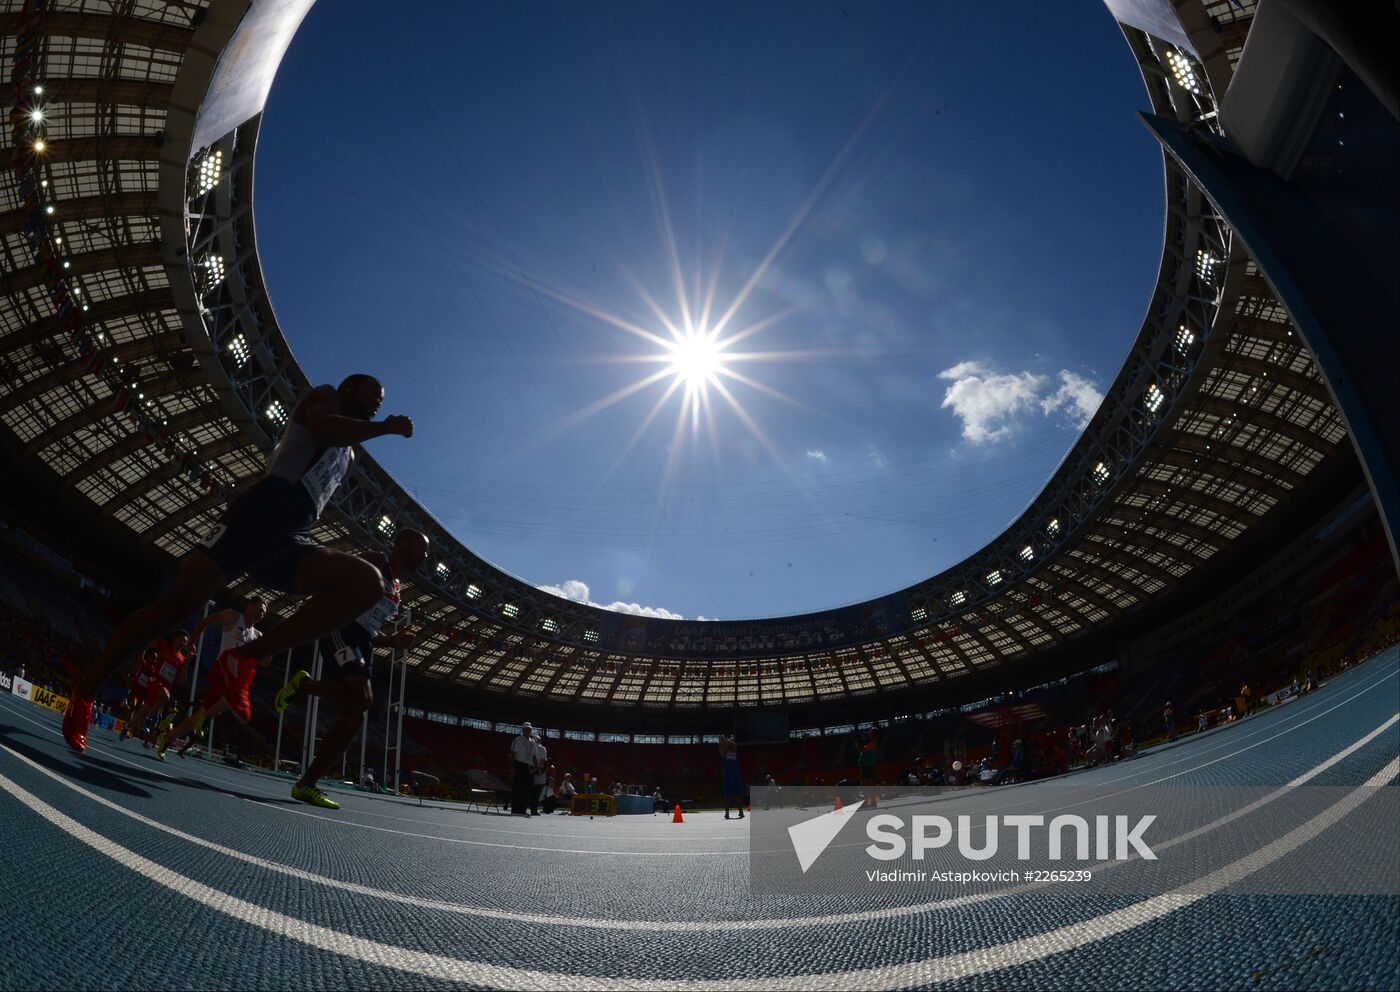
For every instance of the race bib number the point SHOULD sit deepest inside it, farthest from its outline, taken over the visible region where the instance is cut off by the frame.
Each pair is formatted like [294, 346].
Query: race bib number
[322, 478]
[347, 656]
[167, 672]
[212, 538]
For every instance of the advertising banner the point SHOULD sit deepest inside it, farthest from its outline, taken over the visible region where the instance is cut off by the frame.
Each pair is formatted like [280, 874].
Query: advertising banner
[21, 688]
[48, 698]
[4, 682]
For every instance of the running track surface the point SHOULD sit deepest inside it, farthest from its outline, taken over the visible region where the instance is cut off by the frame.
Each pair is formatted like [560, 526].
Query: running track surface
[118, 871]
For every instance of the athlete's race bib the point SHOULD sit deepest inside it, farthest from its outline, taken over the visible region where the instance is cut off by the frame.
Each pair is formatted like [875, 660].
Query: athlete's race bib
[325, 474]
[376, 616]
[167, 672]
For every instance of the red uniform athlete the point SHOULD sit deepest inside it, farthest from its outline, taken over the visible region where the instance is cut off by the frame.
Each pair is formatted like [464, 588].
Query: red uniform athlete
[169, 659]
[138, 689]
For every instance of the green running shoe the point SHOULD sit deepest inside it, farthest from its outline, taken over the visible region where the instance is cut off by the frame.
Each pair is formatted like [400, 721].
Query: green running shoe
[285, 694]
[313, 796]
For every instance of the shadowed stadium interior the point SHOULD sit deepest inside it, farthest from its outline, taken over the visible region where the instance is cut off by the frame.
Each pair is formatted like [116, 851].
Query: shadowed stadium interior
[1228, 516]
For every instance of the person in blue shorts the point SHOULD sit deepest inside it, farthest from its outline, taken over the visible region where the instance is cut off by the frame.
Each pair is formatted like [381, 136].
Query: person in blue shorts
[347, 658]
[266, 534]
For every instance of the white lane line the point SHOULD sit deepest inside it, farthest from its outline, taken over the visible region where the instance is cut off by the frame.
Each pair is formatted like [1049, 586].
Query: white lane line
[939, 968]
[1047, 787]
[224, 784]
[680, 926]
[512, 847]
[454, 840]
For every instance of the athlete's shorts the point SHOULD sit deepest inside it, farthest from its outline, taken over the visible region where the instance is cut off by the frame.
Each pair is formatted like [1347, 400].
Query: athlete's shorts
[264, 534]
[156, 693]
[347, 653]
[226, 672]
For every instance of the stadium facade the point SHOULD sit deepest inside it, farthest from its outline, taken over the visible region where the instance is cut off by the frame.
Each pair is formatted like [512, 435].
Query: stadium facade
[144, 377]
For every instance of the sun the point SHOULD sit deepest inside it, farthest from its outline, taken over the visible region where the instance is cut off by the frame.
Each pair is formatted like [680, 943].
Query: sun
[696, 359]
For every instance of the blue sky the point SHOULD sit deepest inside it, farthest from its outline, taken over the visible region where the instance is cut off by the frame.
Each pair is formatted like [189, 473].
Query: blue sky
[940, 226]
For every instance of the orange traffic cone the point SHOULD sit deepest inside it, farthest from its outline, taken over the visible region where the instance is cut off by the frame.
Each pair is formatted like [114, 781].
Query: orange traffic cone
[678, 818]
[838, 805]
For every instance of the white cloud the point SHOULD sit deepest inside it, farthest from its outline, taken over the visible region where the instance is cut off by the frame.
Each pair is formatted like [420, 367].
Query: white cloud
[578, 592]
[1078, 395]
[988, 403]
[877, 457]
[818, 455]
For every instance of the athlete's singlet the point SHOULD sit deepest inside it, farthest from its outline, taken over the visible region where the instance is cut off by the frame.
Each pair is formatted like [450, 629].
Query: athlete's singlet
[168, 663]
[374, 618]
[237, 635]
[318, 468]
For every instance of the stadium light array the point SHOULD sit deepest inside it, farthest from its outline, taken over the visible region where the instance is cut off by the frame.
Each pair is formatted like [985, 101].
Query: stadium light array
[238, 347]
[442, 570]
[36, 115]
[1101, 473]
[473, 591]
[39, 144]
[510, 611]
[550, 625]
[276, 413]
[1027, 553]
[1205, 265]
[1053, 527]
[1184, 337]
[591, 636]
[1183, 72]
[214, 267]
[386, 525]
[1153, 398]
[207, 177]
[919, 614]
[958, 598]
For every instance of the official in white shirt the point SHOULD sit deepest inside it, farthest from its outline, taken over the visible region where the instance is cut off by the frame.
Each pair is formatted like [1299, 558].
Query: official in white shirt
[537, 781]
[522, 752]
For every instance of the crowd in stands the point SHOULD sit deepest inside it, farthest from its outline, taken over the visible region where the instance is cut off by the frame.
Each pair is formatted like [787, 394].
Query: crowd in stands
[1302, 633]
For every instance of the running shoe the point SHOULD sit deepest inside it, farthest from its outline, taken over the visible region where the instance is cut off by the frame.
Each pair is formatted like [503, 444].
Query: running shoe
[285, 694]
[313, 796]
[76, 720]
[162, 742]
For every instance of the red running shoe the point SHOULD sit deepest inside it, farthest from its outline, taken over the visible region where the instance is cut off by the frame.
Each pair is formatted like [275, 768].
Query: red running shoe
[239, 669]
[76, 720]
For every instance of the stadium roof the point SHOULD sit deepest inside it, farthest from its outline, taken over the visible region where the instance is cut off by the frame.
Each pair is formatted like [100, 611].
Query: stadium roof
[142, 366]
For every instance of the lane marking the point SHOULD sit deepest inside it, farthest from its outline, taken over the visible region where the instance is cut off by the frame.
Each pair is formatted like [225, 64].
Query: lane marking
[677, 926]
[940, 968]
[218, 778]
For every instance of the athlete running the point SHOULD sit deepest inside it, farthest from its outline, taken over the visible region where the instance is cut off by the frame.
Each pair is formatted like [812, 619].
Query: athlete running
[170, 657]
[238, 628]
[266, 534]
[137, 691]
[349, 656]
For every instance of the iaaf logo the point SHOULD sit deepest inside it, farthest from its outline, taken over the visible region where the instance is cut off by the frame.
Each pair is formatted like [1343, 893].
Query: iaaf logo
[887, 833]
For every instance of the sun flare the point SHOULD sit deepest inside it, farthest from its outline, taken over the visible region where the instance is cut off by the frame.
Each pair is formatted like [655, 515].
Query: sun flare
[695, 359]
